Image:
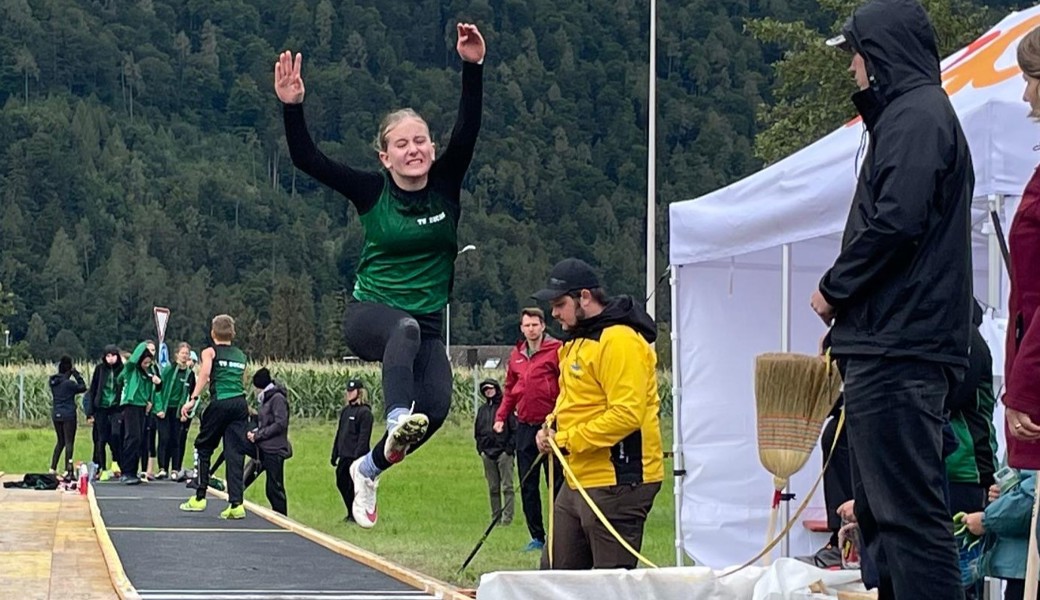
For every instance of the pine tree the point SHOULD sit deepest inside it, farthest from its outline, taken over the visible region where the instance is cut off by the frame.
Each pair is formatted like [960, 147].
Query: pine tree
[37, 339]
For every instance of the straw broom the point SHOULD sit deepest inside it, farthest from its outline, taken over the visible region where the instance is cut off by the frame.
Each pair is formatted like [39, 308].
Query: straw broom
[794, 394]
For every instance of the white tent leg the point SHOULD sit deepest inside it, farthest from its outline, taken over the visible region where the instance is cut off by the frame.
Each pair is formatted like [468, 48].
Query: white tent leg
[678, 464]
[785, 346]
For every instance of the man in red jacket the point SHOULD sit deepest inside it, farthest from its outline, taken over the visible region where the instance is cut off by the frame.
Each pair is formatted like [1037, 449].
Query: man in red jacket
[532, 385]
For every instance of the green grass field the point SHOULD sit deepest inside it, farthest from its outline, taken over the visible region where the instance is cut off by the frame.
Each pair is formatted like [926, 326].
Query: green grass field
[432, 508]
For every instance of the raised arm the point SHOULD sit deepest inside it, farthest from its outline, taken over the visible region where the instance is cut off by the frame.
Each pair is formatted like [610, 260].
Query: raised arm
[360, 187]
[459, 153]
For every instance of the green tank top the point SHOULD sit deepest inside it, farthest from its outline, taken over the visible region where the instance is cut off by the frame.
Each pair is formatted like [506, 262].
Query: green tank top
[408, 261]
[229, 367]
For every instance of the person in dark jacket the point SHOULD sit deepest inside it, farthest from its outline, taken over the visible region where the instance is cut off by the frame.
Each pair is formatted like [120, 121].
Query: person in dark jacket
[353, 439]
[899, 296]
[971, 466]
[102, 408]
[64, 387]
[496, 448]
[271, 438]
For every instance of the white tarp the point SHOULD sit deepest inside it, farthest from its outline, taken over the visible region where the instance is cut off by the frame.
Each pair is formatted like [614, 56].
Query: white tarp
[726, 250]
[785, 580]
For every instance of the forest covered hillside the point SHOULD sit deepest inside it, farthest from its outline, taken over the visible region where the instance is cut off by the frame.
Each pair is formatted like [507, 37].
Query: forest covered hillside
[144, 159]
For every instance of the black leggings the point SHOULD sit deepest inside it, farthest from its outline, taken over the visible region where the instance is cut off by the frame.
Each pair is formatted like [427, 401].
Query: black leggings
[1015, 590]
[415, 363]
[66, 434]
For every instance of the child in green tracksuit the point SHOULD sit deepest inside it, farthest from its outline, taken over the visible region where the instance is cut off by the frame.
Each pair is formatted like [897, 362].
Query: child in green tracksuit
[180, 382]
[225, 418]
[138, 386]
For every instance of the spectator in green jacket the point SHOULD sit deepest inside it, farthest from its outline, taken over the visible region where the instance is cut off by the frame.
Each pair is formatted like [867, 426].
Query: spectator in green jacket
[138, 385]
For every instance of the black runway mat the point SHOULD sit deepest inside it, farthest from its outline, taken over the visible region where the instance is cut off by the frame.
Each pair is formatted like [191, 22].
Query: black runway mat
[169, 554]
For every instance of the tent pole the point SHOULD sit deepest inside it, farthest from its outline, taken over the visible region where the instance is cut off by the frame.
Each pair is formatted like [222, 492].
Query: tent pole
[785, 346]
[996, 267]
[651, 171]
[678, 463]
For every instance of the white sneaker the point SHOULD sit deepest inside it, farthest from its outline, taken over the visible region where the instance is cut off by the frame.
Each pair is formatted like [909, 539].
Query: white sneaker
[364, 507]
[409, 430]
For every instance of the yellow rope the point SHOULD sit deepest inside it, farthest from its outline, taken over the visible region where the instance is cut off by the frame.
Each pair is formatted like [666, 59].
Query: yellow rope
[569, 475]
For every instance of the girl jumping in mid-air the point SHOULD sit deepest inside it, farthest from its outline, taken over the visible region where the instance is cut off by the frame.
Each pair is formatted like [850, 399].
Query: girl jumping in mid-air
[410, 213]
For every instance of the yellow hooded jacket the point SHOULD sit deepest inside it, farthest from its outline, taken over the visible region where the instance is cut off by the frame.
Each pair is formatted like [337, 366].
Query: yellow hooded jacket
[606, 416]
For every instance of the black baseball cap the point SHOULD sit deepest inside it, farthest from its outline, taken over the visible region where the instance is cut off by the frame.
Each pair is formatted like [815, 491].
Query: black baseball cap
[355, 384]
[842, 40]
[568, 275]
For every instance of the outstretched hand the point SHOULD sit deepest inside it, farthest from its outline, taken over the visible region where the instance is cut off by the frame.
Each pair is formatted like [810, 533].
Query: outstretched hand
[471, 43]
[288, 84]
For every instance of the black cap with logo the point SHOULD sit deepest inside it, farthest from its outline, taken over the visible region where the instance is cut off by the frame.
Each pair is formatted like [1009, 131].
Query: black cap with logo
[355, 384]
[568, 275]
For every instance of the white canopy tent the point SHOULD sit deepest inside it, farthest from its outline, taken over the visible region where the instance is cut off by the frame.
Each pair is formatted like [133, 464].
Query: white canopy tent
[745, 260]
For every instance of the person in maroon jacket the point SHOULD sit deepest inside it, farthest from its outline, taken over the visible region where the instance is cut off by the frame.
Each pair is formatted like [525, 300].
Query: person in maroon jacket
[532, 385]
[1022, 353]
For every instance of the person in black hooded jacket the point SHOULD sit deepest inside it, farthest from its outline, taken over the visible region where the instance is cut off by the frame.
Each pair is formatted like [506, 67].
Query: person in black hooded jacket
[271, 438]
[102, 407]
[496, 450]
[899, 296]
[64, 387]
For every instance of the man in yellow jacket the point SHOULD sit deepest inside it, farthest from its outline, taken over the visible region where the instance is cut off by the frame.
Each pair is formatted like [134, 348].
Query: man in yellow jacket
[606, 420]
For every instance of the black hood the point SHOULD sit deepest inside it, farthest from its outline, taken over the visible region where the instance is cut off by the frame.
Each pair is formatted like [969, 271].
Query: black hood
[111, 349]
[498, 390]
[898, 44]
[620, 310]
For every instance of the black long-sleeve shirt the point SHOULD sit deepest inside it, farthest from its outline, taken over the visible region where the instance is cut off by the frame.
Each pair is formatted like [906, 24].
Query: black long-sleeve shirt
[354, 434]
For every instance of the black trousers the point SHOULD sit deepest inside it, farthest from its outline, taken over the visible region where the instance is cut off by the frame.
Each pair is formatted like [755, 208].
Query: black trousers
[98, 455]
[344, 483]
[223, 420]
[530, 489]
[171, 441]
[108, 426]
[415, 364]
[149, 448]
[967, 497]
[1015, 590]
[131, 462]
[274, 486]
[65, 432]
[837, 479]
[894, 412]
[177, 455]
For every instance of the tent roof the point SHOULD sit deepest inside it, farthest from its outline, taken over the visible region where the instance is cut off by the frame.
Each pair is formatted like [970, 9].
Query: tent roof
[808, 194]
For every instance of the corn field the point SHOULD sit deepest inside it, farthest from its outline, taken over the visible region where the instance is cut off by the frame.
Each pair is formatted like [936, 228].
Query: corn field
[315, 389]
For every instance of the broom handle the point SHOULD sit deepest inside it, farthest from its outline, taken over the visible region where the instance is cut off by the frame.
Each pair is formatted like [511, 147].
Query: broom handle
[768, 558]
[1033, 560]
